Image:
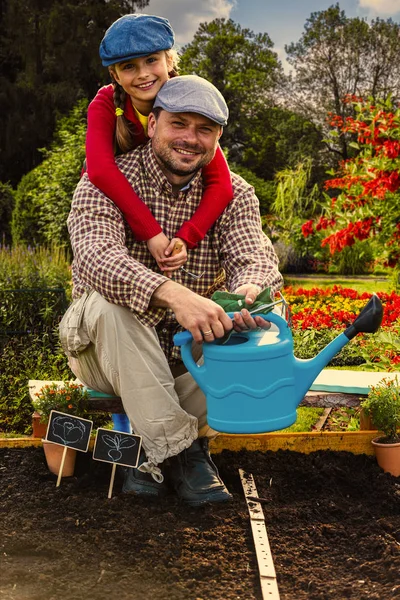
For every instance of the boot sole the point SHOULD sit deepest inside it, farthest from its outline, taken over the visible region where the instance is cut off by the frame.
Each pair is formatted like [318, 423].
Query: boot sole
[215, 500]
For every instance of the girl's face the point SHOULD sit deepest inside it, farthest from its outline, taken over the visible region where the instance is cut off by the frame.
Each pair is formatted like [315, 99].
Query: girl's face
[142, 78]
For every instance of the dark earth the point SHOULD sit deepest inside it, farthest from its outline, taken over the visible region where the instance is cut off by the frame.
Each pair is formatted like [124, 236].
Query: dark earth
[333, 522]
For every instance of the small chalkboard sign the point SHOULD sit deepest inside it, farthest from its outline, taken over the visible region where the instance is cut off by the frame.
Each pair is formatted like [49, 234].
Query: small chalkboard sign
[67, 430]
[117, 447]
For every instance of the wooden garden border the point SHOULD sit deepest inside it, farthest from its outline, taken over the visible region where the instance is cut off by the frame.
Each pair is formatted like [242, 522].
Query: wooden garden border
[357, 442]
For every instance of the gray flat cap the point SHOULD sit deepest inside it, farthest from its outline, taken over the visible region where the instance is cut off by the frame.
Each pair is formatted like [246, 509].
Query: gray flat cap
[189, 93]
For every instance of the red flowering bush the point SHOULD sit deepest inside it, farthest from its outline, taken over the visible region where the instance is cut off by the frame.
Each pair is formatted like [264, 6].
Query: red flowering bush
[367, 204]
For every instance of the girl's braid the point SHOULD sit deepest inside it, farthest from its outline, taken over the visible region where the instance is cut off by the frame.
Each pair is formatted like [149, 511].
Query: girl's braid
[123, 133]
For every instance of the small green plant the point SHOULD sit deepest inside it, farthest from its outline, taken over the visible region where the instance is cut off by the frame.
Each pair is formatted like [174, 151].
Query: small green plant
[383, 406]
[70, 398]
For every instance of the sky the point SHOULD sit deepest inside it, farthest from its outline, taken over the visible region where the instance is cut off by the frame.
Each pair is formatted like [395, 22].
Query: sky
[282, 20]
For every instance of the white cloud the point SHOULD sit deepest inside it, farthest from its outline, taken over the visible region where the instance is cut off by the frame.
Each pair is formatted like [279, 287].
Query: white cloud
[185, 16]
[381, 7]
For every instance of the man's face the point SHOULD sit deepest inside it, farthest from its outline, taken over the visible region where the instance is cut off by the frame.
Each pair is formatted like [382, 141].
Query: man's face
[183, 142]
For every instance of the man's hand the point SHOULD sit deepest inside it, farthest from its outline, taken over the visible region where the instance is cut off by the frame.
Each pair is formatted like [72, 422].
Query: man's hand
[205, 319]
[250, 291]
[243, 321]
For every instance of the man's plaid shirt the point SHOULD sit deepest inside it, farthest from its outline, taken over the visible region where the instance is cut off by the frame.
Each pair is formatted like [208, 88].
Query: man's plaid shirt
[108, 259]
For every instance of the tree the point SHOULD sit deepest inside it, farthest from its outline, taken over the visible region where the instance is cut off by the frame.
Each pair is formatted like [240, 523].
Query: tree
[339, 56]
[277, 139]
[49, 55]
[242, 65]
[6, 207]
[367, 206]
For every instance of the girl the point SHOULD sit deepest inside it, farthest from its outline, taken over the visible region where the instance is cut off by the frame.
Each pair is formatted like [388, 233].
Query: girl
[137, 49]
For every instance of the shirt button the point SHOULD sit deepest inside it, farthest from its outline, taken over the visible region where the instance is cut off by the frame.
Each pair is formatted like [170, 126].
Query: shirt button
[165, 330]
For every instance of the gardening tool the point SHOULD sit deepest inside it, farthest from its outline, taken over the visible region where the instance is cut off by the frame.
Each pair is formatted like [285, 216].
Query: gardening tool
[253, 383]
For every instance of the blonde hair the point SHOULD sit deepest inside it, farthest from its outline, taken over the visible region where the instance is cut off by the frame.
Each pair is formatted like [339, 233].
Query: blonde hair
[124, 133]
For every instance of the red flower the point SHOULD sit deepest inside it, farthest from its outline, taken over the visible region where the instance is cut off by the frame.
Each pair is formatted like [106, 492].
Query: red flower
[307, 228]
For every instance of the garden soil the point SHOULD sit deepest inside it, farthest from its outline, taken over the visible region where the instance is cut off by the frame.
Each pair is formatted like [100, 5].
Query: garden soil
[333, 521]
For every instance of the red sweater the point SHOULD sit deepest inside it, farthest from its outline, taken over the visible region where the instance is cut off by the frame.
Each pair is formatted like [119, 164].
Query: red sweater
[103, 172]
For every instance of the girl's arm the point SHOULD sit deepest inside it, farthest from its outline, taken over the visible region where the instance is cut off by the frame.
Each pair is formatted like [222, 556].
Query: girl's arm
[216, 197]
[103, 171]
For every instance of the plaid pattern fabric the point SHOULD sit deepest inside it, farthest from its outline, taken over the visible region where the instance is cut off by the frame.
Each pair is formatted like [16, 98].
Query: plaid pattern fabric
[108, 259]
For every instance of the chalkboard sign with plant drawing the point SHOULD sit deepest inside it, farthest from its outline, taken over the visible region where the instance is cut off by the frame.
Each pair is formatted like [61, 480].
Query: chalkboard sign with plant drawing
[69, 430]
[116, 447]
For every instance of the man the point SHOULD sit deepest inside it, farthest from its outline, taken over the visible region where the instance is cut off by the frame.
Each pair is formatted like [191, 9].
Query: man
[119, 330]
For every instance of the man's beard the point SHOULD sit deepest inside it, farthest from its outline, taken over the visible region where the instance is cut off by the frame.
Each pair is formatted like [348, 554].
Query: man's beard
[165, 157]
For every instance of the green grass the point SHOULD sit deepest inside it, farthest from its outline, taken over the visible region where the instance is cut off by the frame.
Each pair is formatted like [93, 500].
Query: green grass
[306, 418]
[369, 284]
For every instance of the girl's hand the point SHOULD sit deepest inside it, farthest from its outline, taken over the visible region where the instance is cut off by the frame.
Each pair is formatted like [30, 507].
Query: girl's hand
[157, 246]
[176, 256]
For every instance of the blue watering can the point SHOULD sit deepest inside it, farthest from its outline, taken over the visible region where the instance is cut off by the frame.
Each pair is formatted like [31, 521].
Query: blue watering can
[254, 383]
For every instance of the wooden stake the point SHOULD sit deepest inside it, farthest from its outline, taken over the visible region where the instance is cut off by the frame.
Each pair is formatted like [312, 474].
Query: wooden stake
[114, 468]
[269, 586]
[61, 466]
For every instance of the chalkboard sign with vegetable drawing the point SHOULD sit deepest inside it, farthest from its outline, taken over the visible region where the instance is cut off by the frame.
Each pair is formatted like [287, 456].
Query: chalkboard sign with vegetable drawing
[67, 430]
[117, 447]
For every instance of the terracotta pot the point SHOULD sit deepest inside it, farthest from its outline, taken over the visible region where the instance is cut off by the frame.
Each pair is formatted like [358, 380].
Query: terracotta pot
[388, 456]
[39, 429]
[366, 422]
[53, 454]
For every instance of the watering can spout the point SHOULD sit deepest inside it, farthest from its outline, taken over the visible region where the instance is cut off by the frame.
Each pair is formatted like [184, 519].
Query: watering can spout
[368, 321]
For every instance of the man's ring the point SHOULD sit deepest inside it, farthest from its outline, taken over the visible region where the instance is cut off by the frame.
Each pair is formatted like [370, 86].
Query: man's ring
[209, 332]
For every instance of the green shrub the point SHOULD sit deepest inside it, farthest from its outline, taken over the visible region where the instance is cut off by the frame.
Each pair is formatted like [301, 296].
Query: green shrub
[21, 359]
[28, 305]
[308, 342]
[39, 267]
[353, 260]
[38, 278]
[31, 357]
[265, 190]
[43, 197]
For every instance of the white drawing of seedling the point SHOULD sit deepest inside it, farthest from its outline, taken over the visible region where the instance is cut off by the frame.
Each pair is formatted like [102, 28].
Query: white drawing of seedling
[117, 444]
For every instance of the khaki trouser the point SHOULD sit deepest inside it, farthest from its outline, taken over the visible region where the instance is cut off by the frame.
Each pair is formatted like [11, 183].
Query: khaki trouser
[124, 357]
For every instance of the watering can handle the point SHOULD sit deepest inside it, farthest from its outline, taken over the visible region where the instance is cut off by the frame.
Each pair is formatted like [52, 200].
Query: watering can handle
[183, 337]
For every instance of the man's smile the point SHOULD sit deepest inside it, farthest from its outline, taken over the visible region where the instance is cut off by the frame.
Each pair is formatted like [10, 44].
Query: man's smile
[185, 152]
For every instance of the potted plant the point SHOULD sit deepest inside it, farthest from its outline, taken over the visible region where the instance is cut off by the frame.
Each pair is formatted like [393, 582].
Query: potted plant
[383, 406]
[70, 398]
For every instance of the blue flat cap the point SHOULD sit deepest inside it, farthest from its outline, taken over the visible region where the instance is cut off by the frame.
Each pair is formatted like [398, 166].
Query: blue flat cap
[190, 93]
[133, 36]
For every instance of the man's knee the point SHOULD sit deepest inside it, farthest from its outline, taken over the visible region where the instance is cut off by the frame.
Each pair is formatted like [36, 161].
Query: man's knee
[102, 313]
